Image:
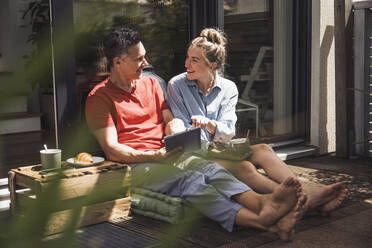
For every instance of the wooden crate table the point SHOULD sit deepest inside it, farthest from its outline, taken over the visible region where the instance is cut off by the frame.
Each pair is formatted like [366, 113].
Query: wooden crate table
[26, 185]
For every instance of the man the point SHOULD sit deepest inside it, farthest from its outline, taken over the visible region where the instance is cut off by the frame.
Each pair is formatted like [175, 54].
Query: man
[127, 112]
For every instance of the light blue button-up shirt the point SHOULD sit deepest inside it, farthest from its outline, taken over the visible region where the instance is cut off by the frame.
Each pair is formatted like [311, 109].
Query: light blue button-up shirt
[185, 100]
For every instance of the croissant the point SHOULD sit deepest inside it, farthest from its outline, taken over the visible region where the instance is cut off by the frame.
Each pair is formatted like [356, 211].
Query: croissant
[84, 157]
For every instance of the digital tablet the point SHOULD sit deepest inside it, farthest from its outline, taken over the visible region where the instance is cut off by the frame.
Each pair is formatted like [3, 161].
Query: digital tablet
[189, 140]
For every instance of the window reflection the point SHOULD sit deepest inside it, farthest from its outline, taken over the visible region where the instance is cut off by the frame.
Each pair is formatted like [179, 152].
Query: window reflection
[163, 25]
[260, 62]
[249, 28]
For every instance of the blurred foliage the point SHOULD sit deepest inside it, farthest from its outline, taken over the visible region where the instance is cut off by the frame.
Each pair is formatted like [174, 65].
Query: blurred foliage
[163, 25]
[29, 222]
[164, 28]
[26, 228]
[39, 64]
[167, 37]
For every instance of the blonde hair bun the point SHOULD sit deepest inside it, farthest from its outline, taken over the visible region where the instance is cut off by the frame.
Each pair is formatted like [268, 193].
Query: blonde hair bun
[214, 35]
[212, 43]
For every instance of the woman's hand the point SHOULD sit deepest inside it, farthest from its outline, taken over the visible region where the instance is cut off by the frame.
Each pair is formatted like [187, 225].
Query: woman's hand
[203, 122]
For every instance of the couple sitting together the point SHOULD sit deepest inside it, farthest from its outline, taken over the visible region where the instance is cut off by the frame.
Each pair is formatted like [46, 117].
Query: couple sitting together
[129, 117]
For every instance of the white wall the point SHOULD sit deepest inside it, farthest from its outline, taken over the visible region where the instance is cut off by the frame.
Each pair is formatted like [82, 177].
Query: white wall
[323, 111]
[283, 83]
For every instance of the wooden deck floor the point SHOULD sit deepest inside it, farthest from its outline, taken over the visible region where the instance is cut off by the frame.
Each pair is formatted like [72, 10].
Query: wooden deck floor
[138, 231]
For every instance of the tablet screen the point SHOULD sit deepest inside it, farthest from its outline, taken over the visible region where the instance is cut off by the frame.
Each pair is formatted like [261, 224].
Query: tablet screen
[189, 140]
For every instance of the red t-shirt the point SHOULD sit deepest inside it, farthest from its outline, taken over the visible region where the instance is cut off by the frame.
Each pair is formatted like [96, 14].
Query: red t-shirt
[137, 116]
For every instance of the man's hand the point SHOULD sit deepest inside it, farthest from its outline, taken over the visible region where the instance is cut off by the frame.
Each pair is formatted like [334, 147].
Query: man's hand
[162, 153]
[174, 126]
[203, 122]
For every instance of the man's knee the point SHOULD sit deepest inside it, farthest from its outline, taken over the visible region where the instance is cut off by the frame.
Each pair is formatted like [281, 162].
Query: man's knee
[262, 147]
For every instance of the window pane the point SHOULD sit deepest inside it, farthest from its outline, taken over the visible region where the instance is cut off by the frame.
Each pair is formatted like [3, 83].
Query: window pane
[260, 62]
[163, 25]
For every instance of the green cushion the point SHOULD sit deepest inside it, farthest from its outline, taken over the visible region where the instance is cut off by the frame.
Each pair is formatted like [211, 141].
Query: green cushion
[158, 206]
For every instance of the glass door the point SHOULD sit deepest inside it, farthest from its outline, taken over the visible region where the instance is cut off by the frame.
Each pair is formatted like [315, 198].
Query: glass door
[260, 62]
[163, 26]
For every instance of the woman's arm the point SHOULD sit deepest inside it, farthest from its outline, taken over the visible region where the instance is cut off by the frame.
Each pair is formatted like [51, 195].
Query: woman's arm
[226, 119]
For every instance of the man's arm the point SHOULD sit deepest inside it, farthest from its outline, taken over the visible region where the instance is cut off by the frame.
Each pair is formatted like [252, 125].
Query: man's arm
[114, 151]
[167, 115]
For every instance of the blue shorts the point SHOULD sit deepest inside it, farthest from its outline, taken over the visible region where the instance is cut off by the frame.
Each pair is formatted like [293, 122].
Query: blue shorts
[206, 185]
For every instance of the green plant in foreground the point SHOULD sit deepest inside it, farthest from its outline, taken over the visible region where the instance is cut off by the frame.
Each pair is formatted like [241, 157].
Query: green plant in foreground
[39, 61]
[26, 229]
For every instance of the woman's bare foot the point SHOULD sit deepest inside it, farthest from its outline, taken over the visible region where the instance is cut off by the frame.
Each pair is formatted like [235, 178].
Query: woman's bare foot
[280, 202]
[328, 207]
[327, 198]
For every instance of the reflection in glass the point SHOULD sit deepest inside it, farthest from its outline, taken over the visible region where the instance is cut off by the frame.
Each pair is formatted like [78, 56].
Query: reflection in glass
[163, 26]
[259, 61]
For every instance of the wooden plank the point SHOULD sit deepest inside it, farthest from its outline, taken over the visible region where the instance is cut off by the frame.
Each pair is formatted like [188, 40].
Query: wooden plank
[24, 199]
[240, 18]
[84, 185]
[152, 228]
[340, 71]
[11, 185]
[33, 170]
[360, 67]
[75, 185]
[23, 138]
[9, 116]
[199, 236]
[368, 86]
[350, 77]
[76, 182]
[89, 215]
[27, 182]
[362, 5]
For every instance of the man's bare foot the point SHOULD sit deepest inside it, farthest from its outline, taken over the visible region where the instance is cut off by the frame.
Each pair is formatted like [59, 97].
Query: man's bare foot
[327, 198]
[280, 202]
[285, 236]
[287, 223]
[285, 226]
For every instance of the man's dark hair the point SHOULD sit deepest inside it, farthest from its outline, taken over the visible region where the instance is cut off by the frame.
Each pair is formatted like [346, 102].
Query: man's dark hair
[118, 42]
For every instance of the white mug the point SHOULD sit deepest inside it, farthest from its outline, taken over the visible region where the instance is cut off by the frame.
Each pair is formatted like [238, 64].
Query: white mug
[50, 158]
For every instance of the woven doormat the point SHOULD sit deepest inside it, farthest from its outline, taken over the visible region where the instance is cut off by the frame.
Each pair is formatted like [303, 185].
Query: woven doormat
[359, 185]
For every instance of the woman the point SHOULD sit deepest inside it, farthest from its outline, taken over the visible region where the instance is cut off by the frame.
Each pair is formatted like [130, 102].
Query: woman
[201, 97]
